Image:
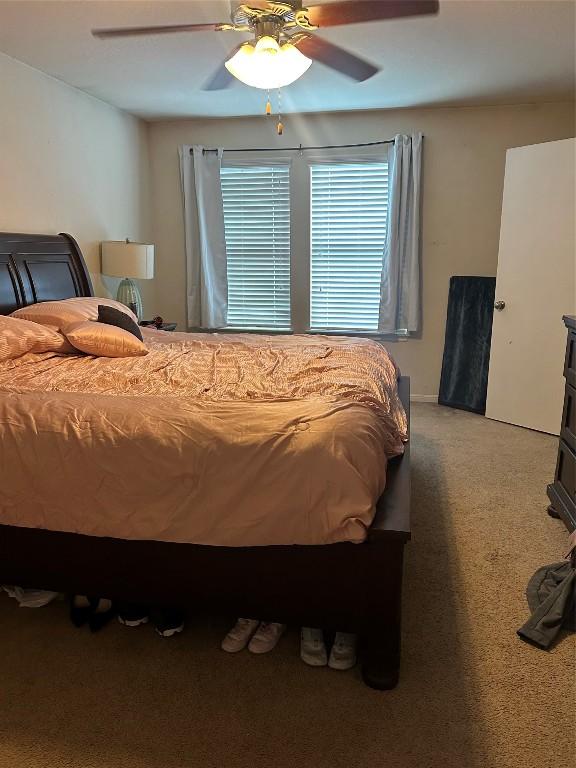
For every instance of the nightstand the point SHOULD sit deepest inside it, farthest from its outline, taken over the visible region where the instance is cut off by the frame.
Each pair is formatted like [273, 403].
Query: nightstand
[157, 326]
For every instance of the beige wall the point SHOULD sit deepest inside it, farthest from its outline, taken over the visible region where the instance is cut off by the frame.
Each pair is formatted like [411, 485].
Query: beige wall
[464, 157]
[70, 163]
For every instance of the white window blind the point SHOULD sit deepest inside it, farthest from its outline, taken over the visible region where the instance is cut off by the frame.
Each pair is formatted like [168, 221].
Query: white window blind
[257, 228]
[349, 203]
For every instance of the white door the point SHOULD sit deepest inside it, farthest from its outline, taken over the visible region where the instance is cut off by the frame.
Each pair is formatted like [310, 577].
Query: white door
[536, 283]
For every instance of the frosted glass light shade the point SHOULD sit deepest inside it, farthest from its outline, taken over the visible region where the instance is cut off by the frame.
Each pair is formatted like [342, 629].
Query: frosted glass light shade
[122, 259]
[268, 64]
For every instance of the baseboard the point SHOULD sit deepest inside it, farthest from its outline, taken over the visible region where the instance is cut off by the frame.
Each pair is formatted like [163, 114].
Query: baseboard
[423, 398]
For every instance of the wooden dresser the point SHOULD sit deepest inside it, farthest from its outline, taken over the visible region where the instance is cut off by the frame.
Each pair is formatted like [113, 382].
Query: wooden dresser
[562, 492]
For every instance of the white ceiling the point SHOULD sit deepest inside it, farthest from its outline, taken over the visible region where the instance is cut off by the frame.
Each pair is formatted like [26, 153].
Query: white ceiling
[474, 52]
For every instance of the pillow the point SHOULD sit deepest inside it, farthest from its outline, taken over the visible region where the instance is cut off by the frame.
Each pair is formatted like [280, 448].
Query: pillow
[113, 316]
[63, 314]
[104, 340]
[17, 337]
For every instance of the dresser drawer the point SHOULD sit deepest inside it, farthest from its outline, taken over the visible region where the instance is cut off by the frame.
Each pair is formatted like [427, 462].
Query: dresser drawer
[566, 471]
[568, 427]
[570, 362]
[561, 505]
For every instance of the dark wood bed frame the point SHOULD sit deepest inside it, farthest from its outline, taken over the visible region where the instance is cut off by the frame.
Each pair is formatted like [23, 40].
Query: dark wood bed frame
[348, 587]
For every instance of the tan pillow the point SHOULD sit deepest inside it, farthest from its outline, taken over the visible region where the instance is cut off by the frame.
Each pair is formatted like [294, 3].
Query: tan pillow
[63, 314]
[17, 337]
[105, 340]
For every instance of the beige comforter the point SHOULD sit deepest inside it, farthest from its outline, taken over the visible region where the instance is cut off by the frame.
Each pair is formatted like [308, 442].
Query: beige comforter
[233, 440]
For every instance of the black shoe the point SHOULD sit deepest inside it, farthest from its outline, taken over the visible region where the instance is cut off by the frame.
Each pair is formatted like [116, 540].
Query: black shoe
[80, 610]
[170, 622]
[101, 614]
[132, 615]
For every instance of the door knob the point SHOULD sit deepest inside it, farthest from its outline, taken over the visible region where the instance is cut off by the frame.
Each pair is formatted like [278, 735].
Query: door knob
[499, 305]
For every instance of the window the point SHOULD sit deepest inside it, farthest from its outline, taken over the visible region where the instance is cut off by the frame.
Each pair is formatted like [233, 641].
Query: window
[349, 211]
[305, 241]
[257, 228]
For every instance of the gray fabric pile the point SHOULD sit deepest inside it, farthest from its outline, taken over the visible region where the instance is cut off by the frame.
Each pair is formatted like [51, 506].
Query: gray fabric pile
[551, 598]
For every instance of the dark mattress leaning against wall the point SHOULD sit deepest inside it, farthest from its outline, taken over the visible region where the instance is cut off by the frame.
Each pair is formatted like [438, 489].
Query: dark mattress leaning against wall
[464, 378]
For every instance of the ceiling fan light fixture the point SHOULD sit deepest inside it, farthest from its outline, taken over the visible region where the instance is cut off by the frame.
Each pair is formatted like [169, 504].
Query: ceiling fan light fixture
[267, 45]
[268, 65]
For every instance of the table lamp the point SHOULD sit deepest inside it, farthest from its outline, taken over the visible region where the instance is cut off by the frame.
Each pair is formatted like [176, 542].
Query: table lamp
[128, 260]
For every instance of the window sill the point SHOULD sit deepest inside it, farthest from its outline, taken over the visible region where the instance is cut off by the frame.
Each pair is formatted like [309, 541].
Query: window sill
[376, 335]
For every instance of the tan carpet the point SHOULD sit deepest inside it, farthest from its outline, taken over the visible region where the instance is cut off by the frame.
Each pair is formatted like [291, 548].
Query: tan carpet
[471, 695]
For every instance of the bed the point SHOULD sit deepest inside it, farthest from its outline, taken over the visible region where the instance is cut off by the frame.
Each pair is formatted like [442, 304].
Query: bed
[345, 586]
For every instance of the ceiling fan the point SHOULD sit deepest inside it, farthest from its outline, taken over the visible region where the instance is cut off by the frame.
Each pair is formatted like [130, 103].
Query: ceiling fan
[283, 46]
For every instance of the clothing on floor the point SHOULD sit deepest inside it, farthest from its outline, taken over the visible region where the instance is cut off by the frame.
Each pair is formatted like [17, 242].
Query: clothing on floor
[551, 598]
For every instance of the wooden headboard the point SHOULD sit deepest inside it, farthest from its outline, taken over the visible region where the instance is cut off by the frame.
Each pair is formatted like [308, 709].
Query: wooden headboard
[40, 268]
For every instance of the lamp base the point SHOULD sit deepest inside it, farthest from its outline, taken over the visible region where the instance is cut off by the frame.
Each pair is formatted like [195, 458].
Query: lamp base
[129, 295]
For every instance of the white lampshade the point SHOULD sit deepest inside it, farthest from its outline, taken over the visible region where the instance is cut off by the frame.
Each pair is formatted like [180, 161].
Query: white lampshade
[125, 259]
[268, 64]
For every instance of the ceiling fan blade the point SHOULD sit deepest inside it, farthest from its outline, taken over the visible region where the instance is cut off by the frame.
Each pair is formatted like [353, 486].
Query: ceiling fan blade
[337, 58]
[356, 11]
[166, 30]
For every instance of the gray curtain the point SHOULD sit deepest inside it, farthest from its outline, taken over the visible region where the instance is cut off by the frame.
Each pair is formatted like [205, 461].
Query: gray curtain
[400, 287]
[206, 267]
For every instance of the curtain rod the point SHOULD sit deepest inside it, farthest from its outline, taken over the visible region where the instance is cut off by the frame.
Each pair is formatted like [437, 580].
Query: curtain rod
[300, 148]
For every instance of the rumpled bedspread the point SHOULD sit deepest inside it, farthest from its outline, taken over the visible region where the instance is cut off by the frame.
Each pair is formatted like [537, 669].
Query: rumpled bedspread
[230, 440]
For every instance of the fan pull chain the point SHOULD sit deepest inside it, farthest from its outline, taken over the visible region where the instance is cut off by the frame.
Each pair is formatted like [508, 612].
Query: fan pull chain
[268, 104]
[280, 126]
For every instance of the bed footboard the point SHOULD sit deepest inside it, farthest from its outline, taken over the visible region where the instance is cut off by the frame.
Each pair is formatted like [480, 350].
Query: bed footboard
[345, 587]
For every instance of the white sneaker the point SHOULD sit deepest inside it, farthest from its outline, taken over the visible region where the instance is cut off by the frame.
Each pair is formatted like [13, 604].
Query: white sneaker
[312, 648]
[266, 637]
[238, 637]
[343, 653]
